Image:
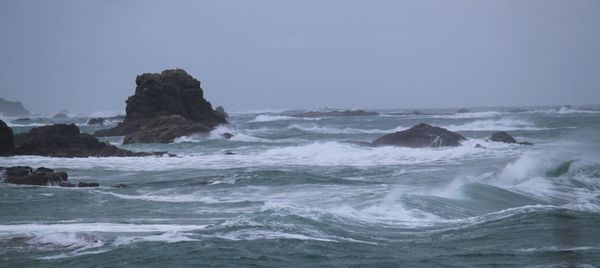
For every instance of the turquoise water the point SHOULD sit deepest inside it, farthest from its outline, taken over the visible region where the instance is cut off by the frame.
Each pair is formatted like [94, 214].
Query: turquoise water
[308, 192]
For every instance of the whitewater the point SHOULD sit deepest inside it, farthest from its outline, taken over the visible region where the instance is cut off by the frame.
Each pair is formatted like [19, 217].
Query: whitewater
[306, 192]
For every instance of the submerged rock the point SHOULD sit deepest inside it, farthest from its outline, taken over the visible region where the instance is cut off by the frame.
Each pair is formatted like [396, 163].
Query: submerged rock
[64, 140]
[421, 135]
[503, 136]
[7, 142]
[336, 113]
[24, 175]
[172, 97]
[12, 108]
[96, 121]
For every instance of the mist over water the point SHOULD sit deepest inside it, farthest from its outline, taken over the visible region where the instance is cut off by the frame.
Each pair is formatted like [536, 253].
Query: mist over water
[309, 191]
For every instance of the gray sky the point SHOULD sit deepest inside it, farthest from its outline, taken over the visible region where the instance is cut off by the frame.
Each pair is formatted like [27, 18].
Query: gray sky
[84, 55]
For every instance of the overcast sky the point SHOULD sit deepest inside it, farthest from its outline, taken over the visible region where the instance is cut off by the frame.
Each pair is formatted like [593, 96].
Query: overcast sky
[85, 55]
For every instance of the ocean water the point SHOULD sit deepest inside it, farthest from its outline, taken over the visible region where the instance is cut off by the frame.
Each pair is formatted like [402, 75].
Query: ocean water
[309, 192]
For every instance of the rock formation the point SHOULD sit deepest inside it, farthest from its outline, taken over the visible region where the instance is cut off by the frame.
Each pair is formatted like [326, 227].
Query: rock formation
[502, 136]
[421, 135]
[96, 121]
[463, 111]
[24, 175]
[63, 140]
[12, 108]
[172, 97]
[336, 113]
[6, 138]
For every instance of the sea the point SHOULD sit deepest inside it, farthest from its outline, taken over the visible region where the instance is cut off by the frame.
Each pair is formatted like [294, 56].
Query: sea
[312, 192]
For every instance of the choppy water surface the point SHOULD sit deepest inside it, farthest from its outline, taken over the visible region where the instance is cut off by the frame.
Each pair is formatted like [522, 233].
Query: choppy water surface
[307, 192]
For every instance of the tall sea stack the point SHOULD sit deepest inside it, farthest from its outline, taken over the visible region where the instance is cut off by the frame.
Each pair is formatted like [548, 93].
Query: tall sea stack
[165, 106]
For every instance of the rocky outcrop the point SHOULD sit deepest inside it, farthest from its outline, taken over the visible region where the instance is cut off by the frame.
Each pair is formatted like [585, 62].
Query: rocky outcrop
[165, 129]
[96, 121]
[421, 135]
[502, 136]
[463, 111]
[65, 141]
[12, 108]
[24, 175]
[336, 113]
[7, 142]
[172, 95]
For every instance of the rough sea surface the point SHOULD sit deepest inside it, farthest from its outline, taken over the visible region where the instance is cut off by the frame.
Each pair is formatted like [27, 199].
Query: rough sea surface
[309, 192]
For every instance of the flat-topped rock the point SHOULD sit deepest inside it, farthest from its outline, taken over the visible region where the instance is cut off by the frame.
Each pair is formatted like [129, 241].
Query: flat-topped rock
[171, 94]
[421, 135]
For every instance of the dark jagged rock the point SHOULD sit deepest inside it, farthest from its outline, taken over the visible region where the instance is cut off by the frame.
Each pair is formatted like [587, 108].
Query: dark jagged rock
[170, 95]
[7, 142]
[96, 121]
[220, 111]
[165, 129]
[336, 113]
[26, 176]
[421, 135]
[12, 108]
[42, 176]
[502, 136]
[63, 140]
[463, 111]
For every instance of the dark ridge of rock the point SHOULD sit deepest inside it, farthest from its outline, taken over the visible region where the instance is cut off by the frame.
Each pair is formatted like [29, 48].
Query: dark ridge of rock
[88, 184]
[60, 116]
[12, 108]
[411, 113]
[96, 121]
[463, 111]
[172, 94]
[421, 135]
[23, 175]
[502, 136]
[26, 176]
[63, 140]
[336, 113]
[116, 118]
[24, 120]
[165, 129]
[7, 142]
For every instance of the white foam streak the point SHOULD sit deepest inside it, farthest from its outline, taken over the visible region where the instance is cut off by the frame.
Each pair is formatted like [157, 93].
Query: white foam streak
[95, 227]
